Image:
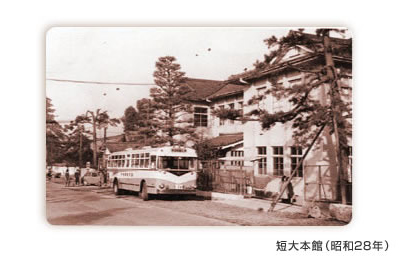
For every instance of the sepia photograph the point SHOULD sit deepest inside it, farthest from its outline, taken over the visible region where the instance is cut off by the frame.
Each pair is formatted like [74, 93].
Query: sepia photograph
[198, 126]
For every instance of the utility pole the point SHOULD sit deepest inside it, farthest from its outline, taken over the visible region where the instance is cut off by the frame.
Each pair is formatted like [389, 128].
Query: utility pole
[80, 144]
[336, 111]
[147, 120]
[94, 125]
[105, 136]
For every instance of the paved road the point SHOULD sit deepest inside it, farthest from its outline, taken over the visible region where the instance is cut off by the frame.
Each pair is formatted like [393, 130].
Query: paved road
[99, 206]
[83, 206]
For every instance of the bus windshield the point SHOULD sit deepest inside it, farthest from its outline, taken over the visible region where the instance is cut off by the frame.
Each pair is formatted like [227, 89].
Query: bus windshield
[176, 163]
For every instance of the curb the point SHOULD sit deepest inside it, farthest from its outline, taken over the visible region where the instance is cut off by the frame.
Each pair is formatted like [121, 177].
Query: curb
[218, 196]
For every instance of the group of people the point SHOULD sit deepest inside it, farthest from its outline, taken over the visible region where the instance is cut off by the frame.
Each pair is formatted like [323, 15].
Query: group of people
[77, 176]
[103, 179]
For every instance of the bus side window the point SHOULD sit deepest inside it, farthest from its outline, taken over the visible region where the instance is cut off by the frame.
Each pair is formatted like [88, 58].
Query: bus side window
[153, 162]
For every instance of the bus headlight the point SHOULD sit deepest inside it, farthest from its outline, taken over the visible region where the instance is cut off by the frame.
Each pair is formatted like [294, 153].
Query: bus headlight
[161, 186]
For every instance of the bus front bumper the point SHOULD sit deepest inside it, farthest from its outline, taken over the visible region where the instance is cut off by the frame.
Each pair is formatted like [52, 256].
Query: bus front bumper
[176, 191]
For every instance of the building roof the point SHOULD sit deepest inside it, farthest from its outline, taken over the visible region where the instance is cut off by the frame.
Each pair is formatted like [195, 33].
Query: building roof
[201, 88]
[227, 89]
[226, 139]
[120, 146]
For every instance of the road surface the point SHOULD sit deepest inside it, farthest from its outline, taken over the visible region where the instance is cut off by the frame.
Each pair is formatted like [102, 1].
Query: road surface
[92, 205]
[82, 206]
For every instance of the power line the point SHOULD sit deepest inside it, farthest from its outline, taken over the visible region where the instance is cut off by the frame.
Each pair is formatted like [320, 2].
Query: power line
[100, 82]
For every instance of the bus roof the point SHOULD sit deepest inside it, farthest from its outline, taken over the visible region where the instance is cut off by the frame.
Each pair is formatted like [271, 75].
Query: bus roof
[161, 151]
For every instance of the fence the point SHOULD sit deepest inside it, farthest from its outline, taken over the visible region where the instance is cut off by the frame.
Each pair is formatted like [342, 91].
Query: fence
[321, 185]
[224, 179]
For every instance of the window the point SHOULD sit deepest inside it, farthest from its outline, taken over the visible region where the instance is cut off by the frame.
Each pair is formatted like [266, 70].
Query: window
[261, 91]
[221, 121]
[232, 107]
[278, 160]
[240, 104]
[200, 117]
[295, 155]
[237, 154]
[278, 105]
[294, 81]
[135, 161]
[175, 163]
[139, 161]
[262, 160]
[153, 162]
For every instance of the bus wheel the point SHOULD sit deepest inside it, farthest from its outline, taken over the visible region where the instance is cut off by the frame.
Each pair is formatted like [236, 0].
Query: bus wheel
[116, 189]
[143, 194]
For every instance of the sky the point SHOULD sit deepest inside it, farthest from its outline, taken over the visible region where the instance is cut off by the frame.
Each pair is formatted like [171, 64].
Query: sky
[128, 55]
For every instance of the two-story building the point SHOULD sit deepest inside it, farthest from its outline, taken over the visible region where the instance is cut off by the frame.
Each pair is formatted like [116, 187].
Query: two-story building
[272, 153]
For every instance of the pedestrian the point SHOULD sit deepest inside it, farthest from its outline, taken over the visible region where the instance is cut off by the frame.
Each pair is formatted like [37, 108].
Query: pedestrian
[290, 191]
[67, 177]
[77, 176]
[105, 176]
[49, 173]
[101, 178]
[284, 195]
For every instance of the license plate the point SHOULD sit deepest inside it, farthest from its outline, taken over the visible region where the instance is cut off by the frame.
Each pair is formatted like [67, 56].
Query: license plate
[178, 186]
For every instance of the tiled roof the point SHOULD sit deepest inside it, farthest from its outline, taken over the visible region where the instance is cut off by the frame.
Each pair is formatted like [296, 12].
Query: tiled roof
[228, 89]
[201, 88]
[226, 139]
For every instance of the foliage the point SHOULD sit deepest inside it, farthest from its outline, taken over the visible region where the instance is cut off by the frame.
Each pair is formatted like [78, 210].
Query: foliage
[77, 146]
[277, 47]
[147, 121]
[171, 108]
[98, 119]
[54, 136]
[130, 119]
[105, 120]
[206, 151]
[227, 114]
[307, 112]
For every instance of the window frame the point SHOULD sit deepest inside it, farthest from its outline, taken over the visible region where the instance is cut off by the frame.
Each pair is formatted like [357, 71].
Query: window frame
[296, 153]
[262, 160]
[278, 160]
[200, 117]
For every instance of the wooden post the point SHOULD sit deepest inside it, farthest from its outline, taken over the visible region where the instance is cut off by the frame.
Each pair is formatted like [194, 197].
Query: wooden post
[335, 95]
[319, 182]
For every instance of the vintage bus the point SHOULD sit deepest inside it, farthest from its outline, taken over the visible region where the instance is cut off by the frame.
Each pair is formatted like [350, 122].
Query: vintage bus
[151, 171]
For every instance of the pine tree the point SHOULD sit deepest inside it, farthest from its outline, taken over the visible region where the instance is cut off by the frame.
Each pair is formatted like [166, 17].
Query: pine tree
[130, 119]
[172, 109]
[54, 136]
[308, 113]
[147, 123]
